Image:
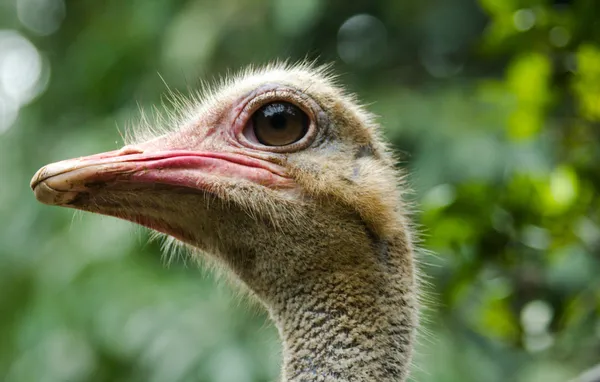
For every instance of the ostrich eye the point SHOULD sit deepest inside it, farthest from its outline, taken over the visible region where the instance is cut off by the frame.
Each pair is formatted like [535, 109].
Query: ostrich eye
[279, 124]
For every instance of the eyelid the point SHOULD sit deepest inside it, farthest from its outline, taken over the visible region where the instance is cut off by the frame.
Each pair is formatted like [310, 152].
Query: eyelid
[269, 95]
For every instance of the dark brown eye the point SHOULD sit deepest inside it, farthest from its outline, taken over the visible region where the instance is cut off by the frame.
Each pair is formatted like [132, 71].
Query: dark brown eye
[279, 124]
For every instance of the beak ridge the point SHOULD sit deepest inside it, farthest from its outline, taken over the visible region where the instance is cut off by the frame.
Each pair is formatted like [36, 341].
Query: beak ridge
[59, 183]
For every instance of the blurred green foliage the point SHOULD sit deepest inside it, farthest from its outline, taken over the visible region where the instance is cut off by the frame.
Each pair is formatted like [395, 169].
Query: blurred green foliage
[494, 107]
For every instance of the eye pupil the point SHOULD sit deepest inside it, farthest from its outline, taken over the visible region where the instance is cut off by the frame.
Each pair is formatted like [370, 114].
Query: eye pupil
[279, 121]
[279, 124]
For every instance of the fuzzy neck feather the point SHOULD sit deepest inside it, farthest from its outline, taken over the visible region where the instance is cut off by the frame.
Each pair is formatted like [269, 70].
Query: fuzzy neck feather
[351, 325]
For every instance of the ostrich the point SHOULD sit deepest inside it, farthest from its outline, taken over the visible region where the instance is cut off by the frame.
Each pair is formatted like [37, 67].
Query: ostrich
[283, 179]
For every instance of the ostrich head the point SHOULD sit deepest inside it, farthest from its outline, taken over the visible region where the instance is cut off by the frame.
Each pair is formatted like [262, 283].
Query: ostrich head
[281, 177]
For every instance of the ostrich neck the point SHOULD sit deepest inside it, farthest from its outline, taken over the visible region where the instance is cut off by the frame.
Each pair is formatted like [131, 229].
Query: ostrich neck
[350, 325]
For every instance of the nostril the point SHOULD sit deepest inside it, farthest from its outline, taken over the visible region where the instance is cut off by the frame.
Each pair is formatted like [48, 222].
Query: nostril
[129, 150]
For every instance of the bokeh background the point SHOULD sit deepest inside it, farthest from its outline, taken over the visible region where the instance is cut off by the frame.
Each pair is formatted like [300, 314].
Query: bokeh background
[494, 106]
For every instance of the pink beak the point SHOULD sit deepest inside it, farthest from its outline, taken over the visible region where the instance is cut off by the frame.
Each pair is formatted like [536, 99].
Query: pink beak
[131, 168]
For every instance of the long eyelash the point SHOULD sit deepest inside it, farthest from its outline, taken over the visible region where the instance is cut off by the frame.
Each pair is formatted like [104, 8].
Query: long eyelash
[178, 110]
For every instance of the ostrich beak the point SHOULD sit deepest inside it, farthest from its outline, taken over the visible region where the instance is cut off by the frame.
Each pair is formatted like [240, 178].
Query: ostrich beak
[62, 183]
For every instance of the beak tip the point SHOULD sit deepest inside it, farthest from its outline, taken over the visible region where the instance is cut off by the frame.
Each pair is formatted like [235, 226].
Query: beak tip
[48, 195]
[43, 190]
[37, 178]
